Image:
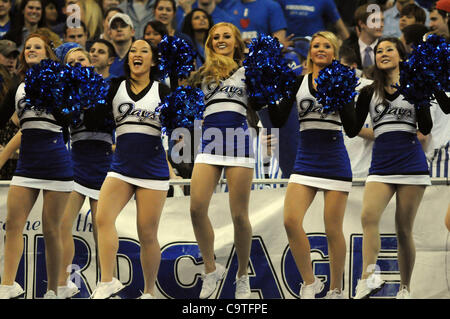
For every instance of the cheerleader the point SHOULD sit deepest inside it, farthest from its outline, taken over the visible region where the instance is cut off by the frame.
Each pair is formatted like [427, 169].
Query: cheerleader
[398, 166]
[139, 167]
[91, 158]
[221, 79]
[44, 164]
[322, 163]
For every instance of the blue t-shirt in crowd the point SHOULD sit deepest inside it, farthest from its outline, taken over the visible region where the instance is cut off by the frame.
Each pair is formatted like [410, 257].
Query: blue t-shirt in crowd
[306, 17]
[259, 16]
[4, 29]
[116, 69]
[218, 15]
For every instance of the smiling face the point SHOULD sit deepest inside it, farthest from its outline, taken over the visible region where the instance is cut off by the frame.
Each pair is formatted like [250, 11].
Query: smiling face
[321, 51]
[223, 41]
[32, 12]
[140, 58]
[164, 12]
[387, 56]
[34, 51]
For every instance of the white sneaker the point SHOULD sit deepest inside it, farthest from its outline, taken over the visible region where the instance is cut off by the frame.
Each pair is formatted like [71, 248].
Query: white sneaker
[147, 296]
[68, 291]
[310, 291]
[403, 293]
[106, 290]
[50, 295]
[242, 288]
[335, 294]
[11, 291]
[368, 287]
[210, 281]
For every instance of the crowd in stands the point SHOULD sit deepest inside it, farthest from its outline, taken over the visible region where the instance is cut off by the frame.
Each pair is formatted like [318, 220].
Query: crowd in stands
[106, 29]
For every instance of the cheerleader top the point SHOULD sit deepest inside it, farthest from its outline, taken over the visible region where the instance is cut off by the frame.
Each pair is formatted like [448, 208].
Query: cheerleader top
[132, 113]
[392, 114]
[229, 95]
[310, 112]
[29, 116]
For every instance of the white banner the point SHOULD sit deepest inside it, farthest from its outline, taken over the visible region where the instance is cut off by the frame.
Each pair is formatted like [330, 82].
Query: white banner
[272, 270]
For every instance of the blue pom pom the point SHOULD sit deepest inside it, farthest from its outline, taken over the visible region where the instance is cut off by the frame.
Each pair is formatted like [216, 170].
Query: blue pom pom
[176, 58]
[427, 70]
[83, 89]
[43, 85]
[336, 86]
[267, 75]
[181, 108]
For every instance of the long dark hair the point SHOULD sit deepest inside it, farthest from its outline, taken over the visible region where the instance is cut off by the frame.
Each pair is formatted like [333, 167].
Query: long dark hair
[154, 70]
[187, 25]
[380, 76]
[18, 22]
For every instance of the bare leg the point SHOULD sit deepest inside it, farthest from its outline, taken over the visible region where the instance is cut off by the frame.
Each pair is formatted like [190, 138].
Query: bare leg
[114, 195]
[376, 197]
[335, 203]
[296, 203]
[19, 204]
[150, 204]
[239, 183]
[204, 180]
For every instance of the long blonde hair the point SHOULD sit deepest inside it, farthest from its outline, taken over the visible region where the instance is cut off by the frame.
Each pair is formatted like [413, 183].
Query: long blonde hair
[331, 37]
[217, 66]
[92, 18]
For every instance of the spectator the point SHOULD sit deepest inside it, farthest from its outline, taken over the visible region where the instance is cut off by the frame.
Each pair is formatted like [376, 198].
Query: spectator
[412, 35]
[439, 18]
[102, 55]
[297, 54]
[9, 55]
[26, 21]
[154, 31]
[392, 19]
[306, 17]
[77, 33]
[50, 13]
[369, 26]
[5, 21]
[91, 15]
[196, 25]
[260, 17]
[218, 14]
[411, 14]
[140, 12]
[122, 32]
[106, 18]
[164, 12]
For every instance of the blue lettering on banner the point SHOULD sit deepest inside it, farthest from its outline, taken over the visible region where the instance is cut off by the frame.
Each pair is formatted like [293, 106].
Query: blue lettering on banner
[388, 265]
[321, 267]
[262, 276]
[168, 280]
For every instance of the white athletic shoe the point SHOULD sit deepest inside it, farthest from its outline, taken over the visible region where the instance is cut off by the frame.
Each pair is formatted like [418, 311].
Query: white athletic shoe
[335, 294]
[147, 296]
[242, 288]
[106, 290]
[403, 293]
[310, 291]
[68, 291]
[50, 295]
[210, 281]
[11, 291]
[368, 287]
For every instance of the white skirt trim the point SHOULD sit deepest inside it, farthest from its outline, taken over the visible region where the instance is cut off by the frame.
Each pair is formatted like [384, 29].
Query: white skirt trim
[400, 179]
[160, 185]
[51, 185]
[321, 183]
[225, 160]
[88, 192]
